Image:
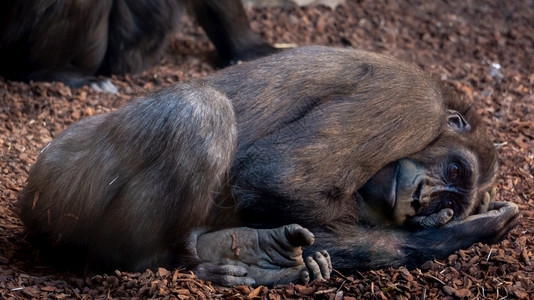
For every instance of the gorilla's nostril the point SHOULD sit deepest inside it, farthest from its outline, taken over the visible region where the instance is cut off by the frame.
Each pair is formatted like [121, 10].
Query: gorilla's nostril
[417, 193]
[416, 204]
[416, 196]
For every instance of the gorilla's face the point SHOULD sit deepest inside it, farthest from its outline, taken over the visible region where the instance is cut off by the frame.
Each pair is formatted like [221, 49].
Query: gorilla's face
[445, 177]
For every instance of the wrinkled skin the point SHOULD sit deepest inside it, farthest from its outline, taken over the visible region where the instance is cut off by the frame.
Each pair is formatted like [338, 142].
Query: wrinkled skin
[367, 153]
[269, 256]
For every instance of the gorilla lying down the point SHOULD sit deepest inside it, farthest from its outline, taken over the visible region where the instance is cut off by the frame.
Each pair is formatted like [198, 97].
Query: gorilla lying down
[376, 164]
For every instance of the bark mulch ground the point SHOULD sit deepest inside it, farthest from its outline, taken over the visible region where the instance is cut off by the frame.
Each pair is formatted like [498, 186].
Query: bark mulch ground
[484, 49]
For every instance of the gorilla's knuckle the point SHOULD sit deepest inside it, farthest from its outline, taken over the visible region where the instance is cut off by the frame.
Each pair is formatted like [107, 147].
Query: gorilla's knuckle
[227, 280]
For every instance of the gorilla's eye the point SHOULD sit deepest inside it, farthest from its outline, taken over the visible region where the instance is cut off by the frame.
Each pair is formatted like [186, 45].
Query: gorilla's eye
[453, 171]
[449, 204]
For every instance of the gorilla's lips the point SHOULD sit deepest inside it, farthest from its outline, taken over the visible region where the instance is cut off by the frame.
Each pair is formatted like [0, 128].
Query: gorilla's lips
[394, 187]
[380, 191]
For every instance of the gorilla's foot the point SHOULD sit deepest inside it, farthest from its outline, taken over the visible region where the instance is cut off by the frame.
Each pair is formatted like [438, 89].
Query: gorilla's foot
[270, 256]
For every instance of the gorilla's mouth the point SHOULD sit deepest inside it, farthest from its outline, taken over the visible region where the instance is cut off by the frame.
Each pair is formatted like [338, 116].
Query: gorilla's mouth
[380, 191]
[394, 187]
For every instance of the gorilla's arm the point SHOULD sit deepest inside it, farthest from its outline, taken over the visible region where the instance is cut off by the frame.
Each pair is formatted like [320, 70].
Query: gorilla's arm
[357, 247]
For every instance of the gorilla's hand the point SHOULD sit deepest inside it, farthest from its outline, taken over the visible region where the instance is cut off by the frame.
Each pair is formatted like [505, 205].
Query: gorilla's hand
[434, 220]
[488, 197]
[443, 216]
[489, 227]
[263, 256]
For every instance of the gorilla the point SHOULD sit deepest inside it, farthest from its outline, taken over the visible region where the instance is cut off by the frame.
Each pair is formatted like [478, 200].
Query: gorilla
[272, 171]
[72, 41]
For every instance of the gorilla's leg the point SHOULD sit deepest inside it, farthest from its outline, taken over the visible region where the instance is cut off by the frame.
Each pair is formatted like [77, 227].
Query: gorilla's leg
[227, 25]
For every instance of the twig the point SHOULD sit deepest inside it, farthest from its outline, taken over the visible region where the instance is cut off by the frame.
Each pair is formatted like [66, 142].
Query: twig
[489, 254]
[325, 291]
[340, 275]
[342, 284]
[435, 278]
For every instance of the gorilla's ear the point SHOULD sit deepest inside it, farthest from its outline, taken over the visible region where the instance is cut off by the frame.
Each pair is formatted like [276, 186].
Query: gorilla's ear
[457, 122]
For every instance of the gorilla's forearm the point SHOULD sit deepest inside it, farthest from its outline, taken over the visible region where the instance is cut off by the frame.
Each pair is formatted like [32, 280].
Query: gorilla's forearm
[358, 247]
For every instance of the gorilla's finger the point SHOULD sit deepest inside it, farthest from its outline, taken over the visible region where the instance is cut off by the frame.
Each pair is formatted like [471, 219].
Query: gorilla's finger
[485, 203]
[324, 264]
[327, 256]
[313, 267]
[104, 86]
[434, 220]
[304, 277]
[503, 206]
[299, 236]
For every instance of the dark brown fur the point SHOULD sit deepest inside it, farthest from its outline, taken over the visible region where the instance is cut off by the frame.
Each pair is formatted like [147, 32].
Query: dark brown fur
[313, 126]
[71, 41]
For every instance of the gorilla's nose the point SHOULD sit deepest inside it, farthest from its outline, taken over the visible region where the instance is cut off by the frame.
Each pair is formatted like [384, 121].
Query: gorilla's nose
[416, 196]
